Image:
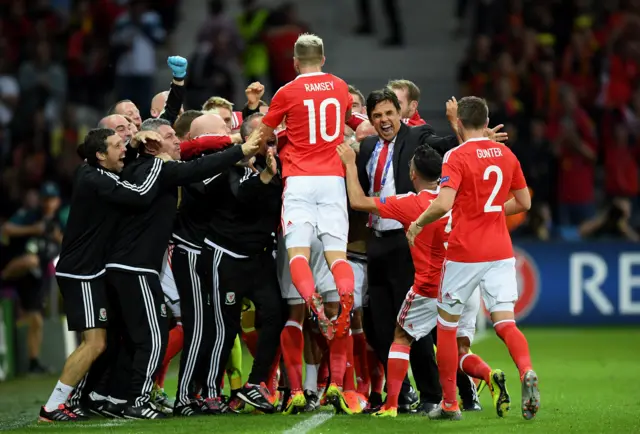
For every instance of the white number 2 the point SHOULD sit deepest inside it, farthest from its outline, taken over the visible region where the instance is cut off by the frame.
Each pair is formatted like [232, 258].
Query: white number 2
[309, 103]
[489, 206]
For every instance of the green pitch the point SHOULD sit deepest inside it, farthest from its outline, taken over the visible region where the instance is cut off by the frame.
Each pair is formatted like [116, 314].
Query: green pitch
[589, 381]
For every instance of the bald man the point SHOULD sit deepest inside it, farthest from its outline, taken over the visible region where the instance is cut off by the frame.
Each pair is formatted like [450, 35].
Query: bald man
[119, 124]
[208, 123]
[158, 102]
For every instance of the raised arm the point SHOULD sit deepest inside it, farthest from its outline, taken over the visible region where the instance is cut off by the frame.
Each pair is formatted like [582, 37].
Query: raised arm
[184, 173]
[172, 106]
[206, 142]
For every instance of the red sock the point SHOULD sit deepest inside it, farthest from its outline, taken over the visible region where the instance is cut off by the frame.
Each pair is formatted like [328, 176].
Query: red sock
[516, 343]
[251, 341]
[302, 277]
[292, 343]
[349, 372]
[272, 385]
[360, 362]
[174, 346]
[474, 366]
[162, 374]
[338, 359]
[447, 357]
[323, 372]
[343, 276]
[376, 372]
[397, 367]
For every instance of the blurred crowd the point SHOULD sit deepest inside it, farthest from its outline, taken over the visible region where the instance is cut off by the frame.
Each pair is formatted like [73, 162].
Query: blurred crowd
[563, 76]
[58, 57]
[64, 62]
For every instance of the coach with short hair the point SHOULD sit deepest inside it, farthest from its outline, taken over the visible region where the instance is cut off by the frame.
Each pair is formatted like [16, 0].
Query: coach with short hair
[383, 169]
[136, 255]
[96, 205]
[237, 261]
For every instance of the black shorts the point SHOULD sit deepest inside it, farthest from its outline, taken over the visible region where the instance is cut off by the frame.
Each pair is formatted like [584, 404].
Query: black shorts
[85, 303]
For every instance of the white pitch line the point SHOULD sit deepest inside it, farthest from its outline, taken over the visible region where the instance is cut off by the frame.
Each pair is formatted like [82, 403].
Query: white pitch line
[308, 424]
[106, 424]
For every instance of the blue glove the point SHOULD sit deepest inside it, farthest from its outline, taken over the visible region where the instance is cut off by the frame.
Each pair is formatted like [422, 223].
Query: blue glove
[178, 67]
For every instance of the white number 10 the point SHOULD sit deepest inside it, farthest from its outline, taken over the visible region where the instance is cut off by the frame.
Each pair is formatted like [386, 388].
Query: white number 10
[489, 207]
[309, 103]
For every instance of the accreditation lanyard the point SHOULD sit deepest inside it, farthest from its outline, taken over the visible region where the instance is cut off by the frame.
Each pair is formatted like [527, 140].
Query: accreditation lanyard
[372, 172]
[385, 172]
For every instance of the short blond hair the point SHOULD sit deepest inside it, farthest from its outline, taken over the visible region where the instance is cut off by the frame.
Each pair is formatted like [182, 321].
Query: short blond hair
[308, 49]
[413, 91]
[217, 102]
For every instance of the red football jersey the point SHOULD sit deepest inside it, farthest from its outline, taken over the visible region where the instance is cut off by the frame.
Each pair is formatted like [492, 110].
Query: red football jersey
[315, 106]
[236, 120]
[429, 250]
[414, 120]
[483, 173]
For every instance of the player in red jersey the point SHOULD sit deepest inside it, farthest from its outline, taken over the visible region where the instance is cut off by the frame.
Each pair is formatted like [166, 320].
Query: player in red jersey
[315, 105]
[418, 314]
[477, 178]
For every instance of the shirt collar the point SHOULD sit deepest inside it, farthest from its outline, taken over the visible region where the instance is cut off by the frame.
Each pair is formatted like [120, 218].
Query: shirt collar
[310, 74]
[476, 139]
[436, 191]
[391, 142]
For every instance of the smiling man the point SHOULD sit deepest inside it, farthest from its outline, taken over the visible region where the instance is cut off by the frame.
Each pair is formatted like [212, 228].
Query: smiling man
[383, 170]
[98, 196]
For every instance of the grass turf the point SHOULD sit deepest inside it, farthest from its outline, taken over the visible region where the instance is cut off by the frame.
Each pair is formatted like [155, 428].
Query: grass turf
[588, 379]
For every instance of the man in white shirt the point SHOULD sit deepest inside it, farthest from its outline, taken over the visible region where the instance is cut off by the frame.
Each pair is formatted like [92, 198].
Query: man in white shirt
[383, 168]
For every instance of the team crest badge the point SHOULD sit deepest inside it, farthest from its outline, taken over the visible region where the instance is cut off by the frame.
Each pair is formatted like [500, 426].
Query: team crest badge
[103, 314]
[230, 298]
[163, 310]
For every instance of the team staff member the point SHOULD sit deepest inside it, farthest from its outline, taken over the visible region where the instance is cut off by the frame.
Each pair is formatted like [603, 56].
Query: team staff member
[237, 262]
[96, 204]
[135, 258]
[383, 169]
[192, 221]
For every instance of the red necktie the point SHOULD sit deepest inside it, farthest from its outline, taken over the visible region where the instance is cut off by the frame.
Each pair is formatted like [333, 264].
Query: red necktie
[382, 160]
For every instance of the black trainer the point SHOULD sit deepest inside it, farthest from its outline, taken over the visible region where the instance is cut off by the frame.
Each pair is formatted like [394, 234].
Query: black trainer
[257, 396]
[426, 407]
[112, 410]
[214, 406]
[313, 401]
[408, 401]
[471, 406]
[194, 408]
[95, 406]
[60, 414]
[82, 411]
[146, 411]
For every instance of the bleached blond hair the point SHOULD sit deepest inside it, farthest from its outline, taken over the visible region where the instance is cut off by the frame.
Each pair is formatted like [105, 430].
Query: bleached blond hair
[308, 49]
[217, 101]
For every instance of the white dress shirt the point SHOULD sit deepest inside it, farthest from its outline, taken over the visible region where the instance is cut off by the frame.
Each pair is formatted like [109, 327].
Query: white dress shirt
[388, 189]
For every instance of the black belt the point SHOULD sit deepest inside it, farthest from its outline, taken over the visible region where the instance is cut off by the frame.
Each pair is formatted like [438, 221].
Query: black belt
[389, 233]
